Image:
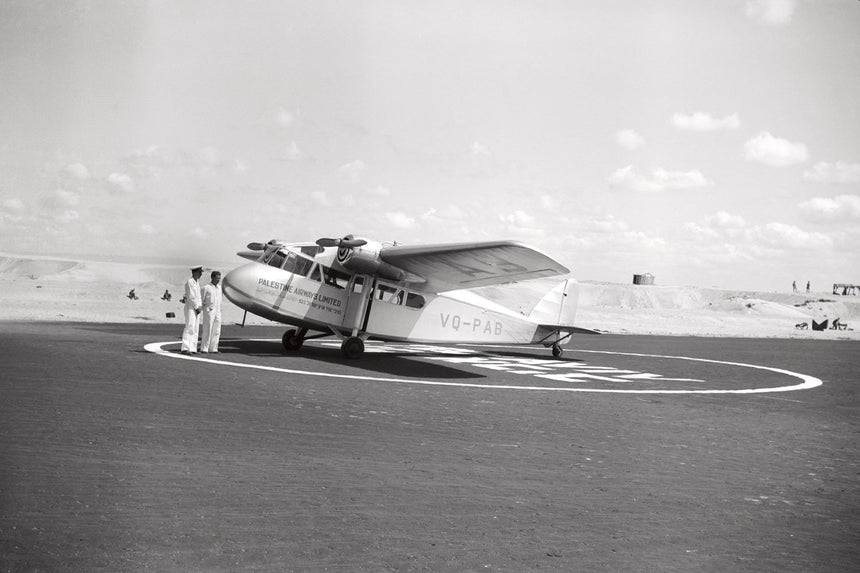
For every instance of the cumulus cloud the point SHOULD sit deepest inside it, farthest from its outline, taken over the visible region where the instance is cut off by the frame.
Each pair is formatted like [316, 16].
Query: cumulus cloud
[198, 233]
[320, 198]
[353, 170]
[657, 180]
[774, 151]
[701, 121]
[629, 139]
[379, 191]
[449, 213]
[121, 182]
[400, 220]
[14, 206]
[293, 152]
[826, 209]
[774, 12]
[726, 220]
[839, 172]
[284, 118]
[147, 229]
[780, 235]
[478, 149]
[67, 216]
[605, 224]
[78, 171]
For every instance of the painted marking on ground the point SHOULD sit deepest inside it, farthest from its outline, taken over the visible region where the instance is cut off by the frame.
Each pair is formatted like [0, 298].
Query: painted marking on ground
[460, 353]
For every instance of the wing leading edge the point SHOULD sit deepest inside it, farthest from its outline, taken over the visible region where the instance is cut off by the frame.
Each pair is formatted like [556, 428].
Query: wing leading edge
[470, 265]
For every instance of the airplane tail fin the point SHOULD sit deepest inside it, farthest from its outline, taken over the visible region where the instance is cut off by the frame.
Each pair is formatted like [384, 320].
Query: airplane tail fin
[558, 306]
[555, 313]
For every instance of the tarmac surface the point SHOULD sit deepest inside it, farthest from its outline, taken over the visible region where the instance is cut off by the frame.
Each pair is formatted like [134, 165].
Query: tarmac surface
[631, 453]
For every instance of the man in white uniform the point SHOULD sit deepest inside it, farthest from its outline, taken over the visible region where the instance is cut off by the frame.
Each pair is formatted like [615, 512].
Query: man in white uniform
[193, 305]
[211, 315]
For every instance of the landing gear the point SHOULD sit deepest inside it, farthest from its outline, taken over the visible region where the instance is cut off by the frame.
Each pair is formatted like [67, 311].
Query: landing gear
[557, 350]
[293, 339]
[352, 347]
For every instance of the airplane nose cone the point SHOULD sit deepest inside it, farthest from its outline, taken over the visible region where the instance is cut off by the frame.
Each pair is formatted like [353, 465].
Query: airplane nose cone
[239, 285]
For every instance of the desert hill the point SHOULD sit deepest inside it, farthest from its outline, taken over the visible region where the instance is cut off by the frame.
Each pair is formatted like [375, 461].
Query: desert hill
[53, 288]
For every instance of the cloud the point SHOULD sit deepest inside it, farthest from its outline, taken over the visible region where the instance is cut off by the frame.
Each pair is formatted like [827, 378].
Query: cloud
[293, 152]
[788, 236]
[198, 233]
[839, 172]
[78, 171]
[774, 151]
[606, 224]
[726, 220]
[284, 118]
[67, 216]
[353, 170]
[379, 191]
[400, 220]
[629, 139]
[121, 182]
[320, 198]
[447, 214]
[479, 149]
[773, 12]
[658, 180]
[825, 209]
[701, 121]
[147, 229]
[14, 206]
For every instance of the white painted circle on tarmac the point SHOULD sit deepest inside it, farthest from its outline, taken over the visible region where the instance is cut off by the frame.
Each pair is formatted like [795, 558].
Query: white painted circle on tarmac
[806, 383]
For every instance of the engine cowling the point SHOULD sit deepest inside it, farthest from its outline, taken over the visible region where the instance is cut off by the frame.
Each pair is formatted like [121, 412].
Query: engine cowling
[365, 259]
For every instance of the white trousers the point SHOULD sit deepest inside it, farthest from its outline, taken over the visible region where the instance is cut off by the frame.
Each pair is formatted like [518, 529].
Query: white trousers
[189, 334]
[211, 331]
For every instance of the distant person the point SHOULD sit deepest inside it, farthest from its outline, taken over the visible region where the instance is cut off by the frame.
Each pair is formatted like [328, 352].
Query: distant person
[166, 296]
[211, 315]
[794, 286]
[132, 295]
[808, 286]
[193, 306]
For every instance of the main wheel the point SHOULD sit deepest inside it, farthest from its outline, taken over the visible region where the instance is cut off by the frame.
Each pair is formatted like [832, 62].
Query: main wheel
[292, 341]
[352, 347]
[557, 350]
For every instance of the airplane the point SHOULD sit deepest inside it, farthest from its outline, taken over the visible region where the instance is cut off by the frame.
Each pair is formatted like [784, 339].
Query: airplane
[357, 289]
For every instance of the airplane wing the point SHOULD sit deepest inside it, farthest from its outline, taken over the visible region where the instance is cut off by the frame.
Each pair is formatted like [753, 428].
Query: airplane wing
[470, 265]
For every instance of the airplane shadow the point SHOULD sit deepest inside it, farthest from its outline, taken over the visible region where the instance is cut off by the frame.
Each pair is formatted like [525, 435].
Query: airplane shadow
[390, 362]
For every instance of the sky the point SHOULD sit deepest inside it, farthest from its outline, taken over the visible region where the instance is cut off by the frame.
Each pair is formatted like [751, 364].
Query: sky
[710, 143]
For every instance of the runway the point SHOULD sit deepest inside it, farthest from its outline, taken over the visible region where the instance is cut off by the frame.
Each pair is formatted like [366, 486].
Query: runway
[632, 453]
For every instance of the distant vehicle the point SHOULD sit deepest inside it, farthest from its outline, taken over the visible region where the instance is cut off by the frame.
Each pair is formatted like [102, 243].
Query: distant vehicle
[357, 289]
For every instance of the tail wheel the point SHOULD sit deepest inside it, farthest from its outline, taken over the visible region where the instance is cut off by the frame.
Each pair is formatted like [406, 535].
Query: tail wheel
[352, 347]
[292, 341]
[557, 350]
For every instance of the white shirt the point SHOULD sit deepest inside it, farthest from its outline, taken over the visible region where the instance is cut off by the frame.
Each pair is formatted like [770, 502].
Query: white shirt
[212, 298]
[192, 293]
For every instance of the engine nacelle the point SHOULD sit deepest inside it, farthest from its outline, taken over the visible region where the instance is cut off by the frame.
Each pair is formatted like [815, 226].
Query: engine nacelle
[366, 260]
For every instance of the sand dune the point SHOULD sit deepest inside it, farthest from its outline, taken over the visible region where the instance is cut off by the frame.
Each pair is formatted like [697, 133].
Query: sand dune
[46, 288]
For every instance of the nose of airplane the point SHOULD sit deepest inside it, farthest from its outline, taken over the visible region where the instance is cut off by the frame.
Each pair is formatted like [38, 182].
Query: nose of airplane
[239, 285]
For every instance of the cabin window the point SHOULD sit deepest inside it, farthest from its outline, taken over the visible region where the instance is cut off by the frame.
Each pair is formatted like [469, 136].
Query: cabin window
[334, 278]
[316, 274]
[358, 285]
[389, 294]
[414, 300]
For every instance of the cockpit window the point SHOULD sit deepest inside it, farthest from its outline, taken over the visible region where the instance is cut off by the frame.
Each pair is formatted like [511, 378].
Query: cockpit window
[316, 274]
[274, 259]
[297, 265]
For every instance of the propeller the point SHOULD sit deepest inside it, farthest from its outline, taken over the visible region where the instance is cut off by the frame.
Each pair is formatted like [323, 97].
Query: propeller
[348, 242]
